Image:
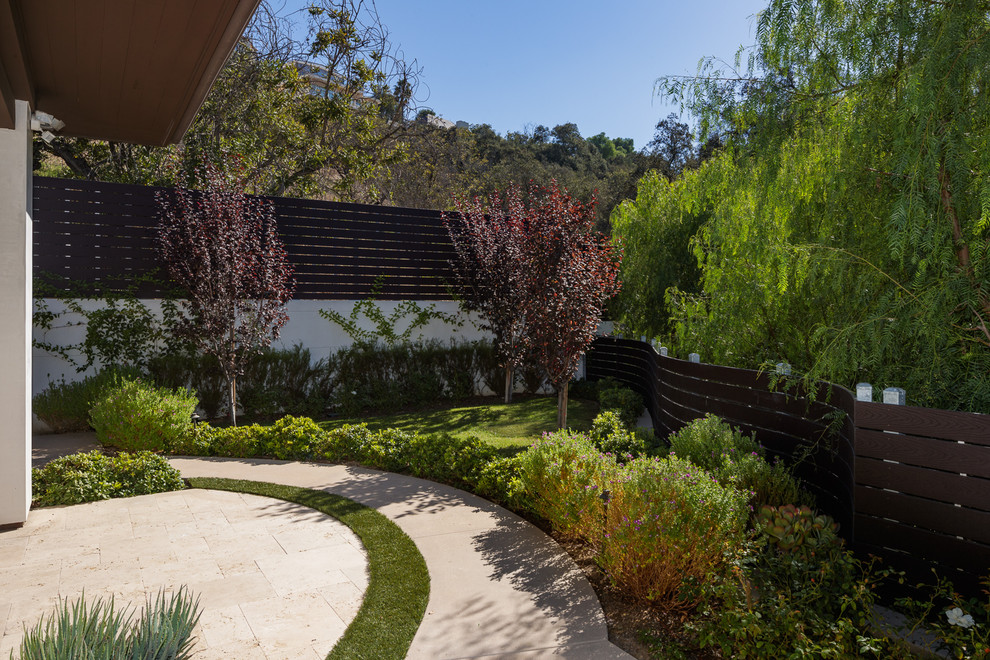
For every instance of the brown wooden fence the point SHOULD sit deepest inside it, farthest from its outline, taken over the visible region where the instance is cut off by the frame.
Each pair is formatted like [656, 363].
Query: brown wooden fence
[104, 234]
[909, 484]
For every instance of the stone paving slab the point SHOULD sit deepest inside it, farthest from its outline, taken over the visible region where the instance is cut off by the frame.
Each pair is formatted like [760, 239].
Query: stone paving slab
[500, 588]
[275, 579]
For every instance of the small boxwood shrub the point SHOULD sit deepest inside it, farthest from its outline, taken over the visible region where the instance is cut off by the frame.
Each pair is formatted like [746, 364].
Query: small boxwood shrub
[628, 404]
[94, 476]
[133, 415]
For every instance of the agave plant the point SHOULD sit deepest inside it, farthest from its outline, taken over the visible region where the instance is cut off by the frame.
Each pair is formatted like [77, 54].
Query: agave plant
[99, 631]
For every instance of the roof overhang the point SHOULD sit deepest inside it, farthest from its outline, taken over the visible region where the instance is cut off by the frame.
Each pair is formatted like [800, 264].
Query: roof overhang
[122, 70]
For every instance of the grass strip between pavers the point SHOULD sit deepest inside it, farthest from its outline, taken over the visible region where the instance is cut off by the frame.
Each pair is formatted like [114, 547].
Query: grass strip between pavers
[398, 582]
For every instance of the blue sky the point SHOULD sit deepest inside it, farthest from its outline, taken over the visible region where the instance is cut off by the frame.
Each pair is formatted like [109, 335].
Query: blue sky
[515, 64]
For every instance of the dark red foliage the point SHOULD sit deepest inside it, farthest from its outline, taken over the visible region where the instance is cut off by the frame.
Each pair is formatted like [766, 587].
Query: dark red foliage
[572, 272]
[490, 268]
[222, 248]
[538, 275]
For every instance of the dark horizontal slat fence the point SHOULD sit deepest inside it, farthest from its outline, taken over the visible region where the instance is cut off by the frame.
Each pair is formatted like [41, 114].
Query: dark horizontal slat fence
[923, 488]
[105, 233]
[813, 436]
[909, 484]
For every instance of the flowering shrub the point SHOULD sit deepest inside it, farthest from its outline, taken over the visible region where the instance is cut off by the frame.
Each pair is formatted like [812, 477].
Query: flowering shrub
[669, 526]
[132, 415]
[94, 476]
[565, 476]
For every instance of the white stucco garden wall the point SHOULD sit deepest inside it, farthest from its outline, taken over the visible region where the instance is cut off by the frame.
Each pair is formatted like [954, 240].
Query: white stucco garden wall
[305, 327]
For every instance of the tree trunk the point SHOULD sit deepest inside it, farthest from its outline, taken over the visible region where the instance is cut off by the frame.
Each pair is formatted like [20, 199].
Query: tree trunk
[562, 406]
[232, 378]
[233, 400]
[508, 384]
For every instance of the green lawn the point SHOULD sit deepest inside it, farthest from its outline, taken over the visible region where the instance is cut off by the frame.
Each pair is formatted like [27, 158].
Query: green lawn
[517, 424]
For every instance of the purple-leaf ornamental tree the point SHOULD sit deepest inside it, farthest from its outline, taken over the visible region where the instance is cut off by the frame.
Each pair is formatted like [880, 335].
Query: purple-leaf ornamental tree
[490, 271]
[222, 249]
[572, 271]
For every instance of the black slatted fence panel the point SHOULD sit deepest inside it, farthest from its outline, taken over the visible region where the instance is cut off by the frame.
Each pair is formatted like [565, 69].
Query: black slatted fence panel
[923, 489]
[104, 234]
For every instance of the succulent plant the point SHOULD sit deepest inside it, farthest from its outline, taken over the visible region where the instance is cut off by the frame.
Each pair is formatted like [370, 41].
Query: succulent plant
[796, 528]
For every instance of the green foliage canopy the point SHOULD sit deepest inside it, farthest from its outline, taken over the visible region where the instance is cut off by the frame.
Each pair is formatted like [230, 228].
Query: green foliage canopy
[845, 227]
[320, 115]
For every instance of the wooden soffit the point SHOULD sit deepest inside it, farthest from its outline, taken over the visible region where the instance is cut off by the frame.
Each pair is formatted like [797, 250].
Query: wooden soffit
[122, 70]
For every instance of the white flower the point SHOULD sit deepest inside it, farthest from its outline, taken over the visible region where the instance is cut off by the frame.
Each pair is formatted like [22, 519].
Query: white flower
[354, 392]
[957, 618]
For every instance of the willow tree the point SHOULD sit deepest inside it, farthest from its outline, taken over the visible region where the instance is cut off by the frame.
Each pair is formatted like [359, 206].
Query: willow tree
[845, 227]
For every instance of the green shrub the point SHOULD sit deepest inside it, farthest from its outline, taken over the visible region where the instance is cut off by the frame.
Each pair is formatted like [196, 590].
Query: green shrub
[708, 441]
[669, 528]
[274, 381]
[583, 389]
[800, 594]
[98, 630]
[490, 374]
[735, 458]
[442, 457]
[278, 381]
[565, 475]
[94, 476]
[230, 441]
[612, 436]
[627, 403]
[64, 407]
[500, 480]
[132, 415]
[194, 371]
[290, 438]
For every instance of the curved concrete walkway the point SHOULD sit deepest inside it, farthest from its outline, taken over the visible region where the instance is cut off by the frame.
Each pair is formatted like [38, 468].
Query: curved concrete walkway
[500, 588]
